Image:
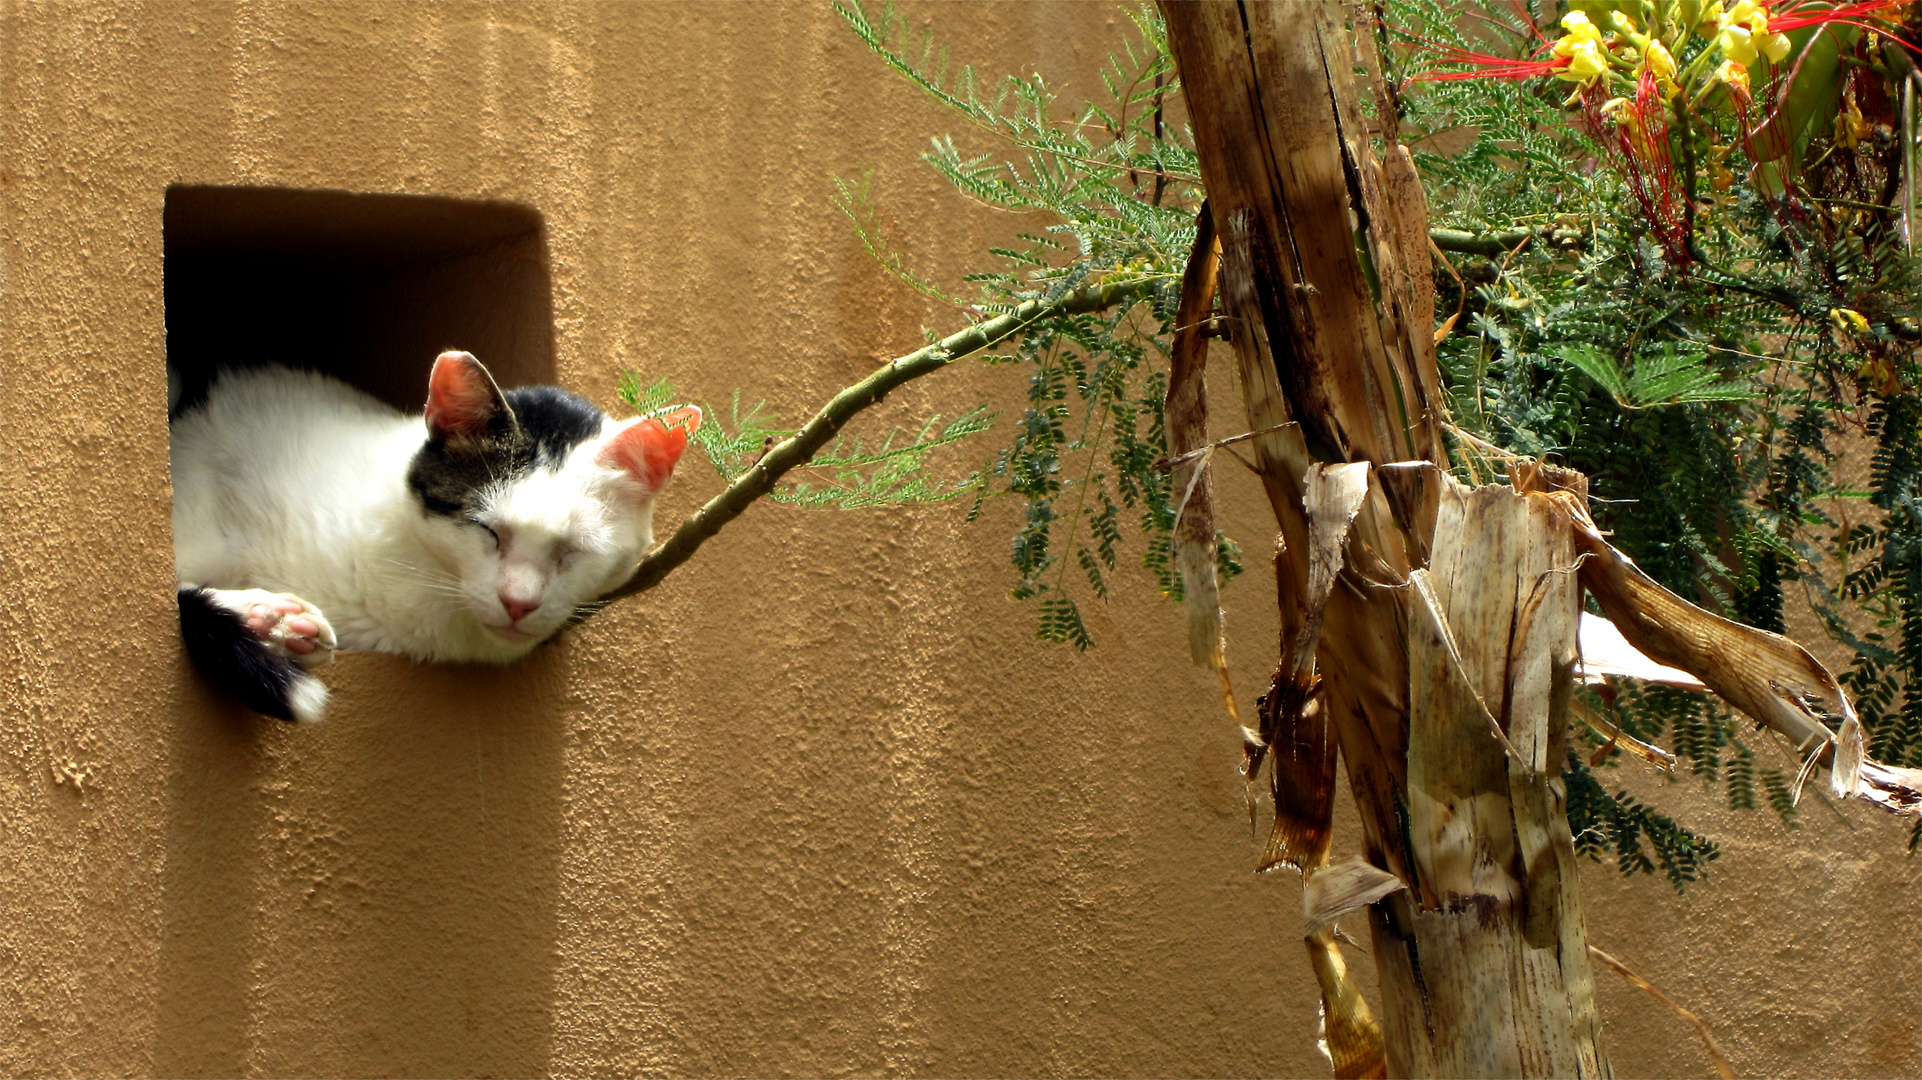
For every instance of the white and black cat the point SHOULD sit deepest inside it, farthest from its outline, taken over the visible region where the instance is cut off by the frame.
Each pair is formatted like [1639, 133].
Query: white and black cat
[308, 516]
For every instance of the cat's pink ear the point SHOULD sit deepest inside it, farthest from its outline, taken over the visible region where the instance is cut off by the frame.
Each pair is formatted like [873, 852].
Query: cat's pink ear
[647, 449]
[462, 400]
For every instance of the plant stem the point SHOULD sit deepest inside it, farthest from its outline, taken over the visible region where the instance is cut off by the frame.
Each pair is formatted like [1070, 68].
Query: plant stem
[1490, 244]
[804, 444]
[1688, 176]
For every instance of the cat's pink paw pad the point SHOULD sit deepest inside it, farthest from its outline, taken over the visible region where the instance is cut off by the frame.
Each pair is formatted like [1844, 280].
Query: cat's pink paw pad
[288, 624]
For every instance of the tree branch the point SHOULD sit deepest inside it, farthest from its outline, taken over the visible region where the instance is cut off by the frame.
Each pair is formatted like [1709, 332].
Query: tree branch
[804, 444]
[1500, 242]
[1491, 244]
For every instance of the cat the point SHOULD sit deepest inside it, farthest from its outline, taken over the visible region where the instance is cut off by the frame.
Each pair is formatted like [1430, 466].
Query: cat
[310, 517]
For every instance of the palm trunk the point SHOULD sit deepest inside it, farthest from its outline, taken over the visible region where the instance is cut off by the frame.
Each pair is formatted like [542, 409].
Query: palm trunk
[1428, 631]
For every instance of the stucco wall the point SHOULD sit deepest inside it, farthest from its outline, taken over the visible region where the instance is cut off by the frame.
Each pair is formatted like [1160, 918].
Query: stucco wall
[819, 804]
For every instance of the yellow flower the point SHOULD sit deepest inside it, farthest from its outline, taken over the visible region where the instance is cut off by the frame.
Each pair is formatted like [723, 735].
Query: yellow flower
[1586, 62]
[1745, 34]
[1736, 44]
[1582, 45]
[1710, 22]
[1879, 372]
[1848, 319]
[1735, 75]
[1850, 127]
[1580, 32]
[1656, 58]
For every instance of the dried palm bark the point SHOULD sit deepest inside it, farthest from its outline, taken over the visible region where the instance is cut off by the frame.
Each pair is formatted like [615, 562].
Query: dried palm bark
[1495, 920]
[1334, 347]
[1186, 411]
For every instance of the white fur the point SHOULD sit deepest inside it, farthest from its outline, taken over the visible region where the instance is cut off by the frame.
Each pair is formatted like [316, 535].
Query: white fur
[307, 698]
[293, 482]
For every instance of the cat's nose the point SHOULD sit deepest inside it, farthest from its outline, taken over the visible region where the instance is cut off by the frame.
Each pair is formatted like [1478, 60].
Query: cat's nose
[515, 609]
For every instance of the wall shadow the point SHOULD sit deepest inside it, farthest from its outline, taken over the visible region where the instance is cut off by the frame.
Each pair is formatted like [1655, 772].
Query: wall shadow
[375, 895]
[433, 864]
[207, 885]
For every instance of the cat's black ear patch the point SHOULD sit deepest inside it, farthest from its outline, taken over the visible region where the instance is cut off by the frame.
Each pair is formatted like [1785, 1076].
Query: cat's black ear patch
[449, 476]
[463, 402]
[473, 438]
[554, 420]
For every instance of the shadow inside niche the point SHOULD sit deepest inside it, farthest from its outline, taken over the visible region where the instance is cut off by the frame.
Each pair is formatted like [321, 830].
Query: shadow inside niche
[373, 895]
[368, 288]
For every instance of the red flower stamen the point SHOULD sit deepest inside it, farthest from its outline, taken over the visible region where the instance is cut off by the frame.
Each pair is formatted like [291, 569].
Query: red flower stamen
[1863, 14]
[1484, 66]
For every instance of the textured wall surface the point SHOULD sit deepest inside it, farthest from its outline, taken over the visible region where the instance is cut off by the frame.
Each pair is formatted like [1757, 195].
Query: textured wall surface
[818, 805]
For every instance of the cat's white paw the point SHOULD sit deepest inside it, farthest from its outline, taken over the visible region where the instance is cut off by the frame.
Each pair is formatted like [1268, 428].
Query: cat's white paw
[289, 625]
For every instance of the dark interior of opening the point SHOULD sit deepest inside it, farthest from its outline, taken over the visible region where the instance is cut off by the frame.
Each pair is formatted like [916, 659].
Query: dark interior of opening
[368, 288]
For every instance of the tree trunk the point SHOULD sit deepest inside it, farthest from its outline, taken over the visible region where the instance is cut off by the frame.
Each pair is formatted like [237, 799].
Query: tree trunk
[1428, 631]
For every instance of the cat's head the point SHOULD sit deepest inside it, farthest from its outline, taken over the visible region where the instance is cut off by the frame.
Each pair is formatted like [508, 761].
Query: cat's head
[534, 500]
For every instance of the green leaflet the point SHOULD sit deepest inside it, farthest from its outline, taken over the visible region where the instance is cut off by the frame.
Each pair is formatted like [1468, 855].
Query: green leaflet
[1672, 374]
[852, 473]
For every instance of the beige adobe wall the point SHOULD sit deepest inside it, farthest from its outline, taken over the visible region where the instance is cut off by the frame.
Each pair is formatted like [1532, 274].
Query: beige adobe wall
[820, 804]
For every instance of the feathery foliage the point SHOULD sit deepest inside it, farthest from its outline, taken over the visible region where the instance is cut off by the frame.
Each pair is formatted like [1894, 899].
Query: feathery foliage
[1640, 838]
[851, 474]
[1112, 192]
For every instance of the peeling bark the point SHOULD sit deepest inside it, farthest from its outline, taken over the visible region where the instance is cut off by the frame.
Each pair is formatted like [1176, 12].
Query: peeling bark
[1777, 682]
[1494, 924]
[1430, 633]
[1452, 751]
[1294, 725]
[1186, 411]
[1350, 1035]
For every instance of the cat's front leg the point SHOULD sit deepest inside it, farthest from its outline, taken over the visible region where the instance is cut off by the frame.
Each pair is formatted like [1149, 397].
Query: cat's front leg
[256, 645]
[283, 622]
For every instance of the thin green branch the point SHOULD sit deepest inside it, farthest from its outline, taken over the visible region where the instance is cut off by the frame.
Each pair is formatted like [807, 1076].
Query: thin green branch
[1491, 244]
[799, 449]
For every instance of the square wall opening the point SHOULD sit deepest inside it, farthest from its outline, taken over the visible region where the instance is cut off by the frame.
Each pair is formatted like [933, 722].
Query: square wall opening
[367, 288]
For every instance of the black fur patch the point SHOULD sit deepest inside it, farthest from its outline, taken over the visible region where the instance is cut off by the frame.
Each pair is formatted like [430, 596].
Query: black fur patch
[554, 419]
[448, 475]
[233, 659]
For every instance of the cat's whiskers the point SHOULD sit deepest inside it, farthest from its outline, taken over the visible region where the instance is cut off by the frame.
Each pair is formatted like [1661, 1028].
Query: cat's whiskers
[584, 609]
[424, 573]
[437, 582]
